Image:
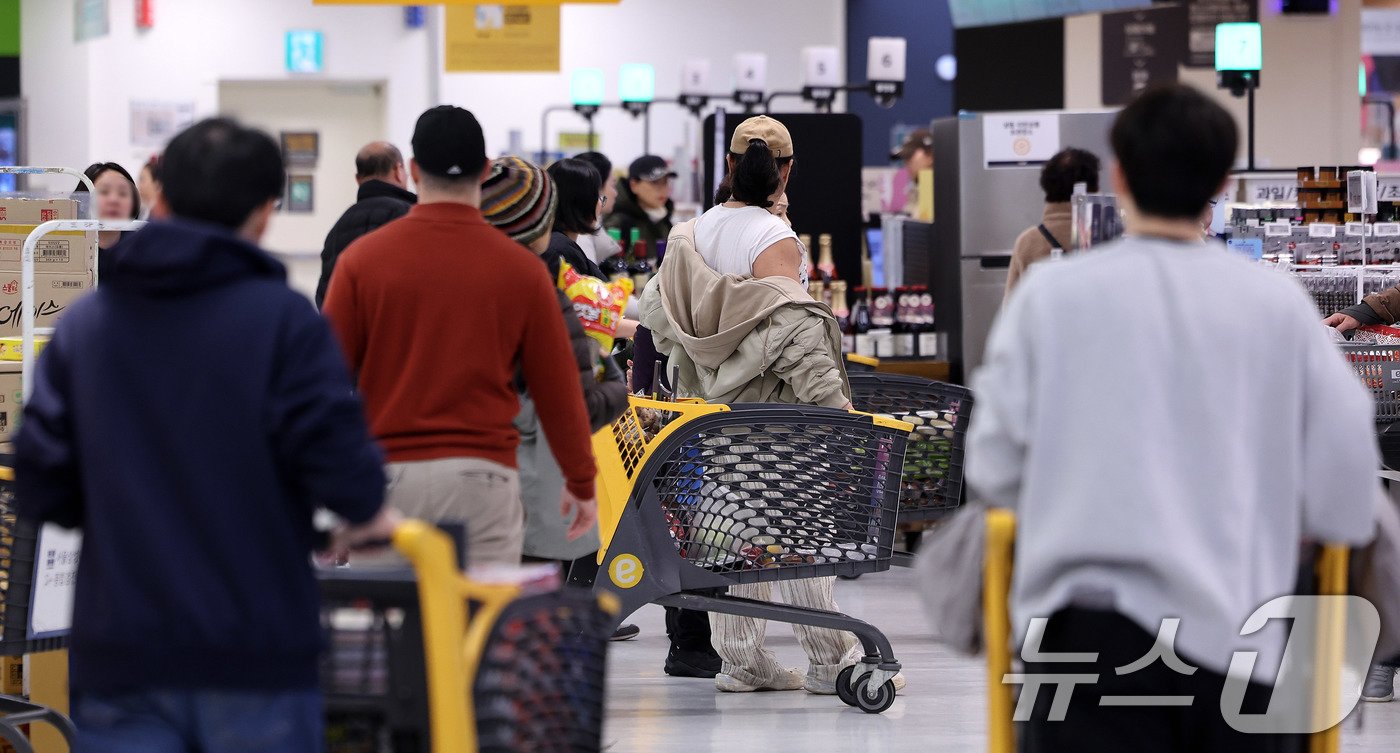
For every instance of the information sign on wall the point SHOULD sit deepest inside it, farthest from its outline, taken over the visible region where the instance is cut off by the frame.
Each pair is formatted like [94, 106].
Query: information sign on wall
[1020, 139]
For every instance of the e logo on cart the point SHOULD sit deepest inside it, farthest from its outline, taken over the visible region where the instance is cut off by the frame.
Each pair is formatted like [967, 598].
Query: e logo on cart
[625, 571]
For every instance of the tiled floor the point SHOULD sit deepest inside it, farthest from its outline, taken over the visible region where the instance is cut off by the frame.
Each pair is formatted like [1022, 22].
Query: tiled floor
[942, 709]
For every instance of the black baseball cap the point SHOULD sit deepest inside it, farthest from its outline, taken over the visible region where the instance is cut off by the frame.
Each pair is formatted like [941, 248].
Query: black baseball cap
[650, 168]
[447, 142]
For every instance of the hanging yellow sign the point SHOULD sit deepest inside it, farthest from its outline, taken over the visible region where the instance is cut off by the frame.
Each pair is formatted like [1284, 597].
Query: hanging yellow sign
[502, 38]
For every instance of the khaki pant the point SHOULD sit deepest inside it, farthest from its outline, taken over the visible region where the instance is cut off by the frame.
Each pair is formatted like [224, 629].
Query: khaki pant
[739, 640]
[482, 494]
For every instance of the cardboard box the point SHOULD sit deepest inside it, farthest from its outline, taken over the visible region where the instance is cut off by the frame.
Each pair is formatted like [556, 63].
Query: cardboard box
[11, 396]
[35, 211]
[53, 294]
[67, 252]
[12, 348]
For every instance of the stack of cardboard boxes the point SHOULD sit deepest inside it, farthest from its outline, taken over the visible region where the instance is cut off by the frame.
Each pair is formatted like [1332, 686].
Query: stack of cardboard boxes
[63, 264]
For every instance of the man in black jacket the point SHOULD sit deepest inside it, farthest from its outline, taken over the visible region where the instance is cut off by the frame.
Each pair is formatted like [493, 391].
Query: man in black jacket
[383, 197]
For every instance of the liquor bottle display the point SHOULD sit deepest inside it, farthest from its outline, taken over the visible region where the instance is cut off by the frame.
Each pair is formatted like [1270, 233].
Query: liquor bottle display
[860, 323]
[639, 269]
[827, 265]
[843, 316]
[615, 266]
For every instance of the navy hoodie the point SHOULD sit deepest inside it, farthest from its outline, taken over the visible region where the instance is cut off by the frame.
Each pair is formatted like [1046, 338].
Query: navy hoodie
[189, 415]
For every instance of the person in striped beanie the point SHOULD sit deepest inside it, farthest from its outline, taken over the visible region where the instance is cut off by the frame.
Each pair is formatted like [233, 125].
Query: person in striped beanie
[519, 199]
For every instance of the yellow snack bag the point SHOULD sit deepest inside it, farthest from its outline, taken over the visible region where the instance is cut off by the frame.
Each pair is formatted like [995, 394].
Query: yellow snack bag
[599, 304]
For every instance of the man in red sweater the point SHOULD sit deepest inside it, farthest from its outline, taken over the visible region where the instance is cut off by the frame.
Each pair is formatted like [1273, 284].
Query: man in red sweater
[435, 311]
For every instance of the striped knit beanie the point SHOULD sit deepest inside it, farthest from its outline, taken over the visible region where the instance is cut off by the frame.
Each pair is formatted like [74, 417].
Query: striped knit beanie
[519, 199]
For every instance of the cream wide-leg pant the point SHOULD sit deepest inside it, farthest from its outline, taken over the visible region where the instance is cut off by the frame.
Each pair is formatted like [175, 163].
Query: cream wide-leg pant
[739, 640]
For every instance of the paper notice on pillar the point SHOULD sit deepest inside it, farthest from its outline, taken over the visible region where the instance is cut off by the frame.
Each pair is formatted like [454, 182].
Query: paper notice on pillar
[1020, 139]
[1141, 48]
[502, 38]
[55, 579]
[153, 124]
[1203, 16]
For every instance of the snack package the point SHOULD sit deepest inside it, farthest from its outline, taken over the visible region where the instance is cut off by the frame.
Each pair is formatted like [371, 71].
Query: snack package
[599, 304]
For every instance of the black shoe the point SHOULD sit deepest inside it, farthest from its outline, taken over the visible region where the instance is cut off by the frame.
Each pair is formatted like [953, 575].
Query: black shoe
[625, 633]
[700, 664]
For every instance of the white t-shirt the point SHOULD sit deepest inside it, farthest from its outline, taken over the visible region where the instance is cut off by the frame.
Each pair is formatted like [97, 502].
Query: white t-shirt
[730, 240]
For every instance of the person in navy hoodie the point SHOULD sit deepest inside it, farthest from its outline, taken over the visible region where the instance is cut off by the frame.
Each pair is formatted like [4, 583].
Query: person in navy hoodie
[190, 415]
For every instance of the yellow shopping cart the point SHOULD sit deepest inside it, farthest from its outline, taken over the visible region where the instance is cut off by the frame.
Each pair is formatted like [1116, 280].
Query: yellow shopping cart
[694, 497]
[1000, 544]
[455, 665]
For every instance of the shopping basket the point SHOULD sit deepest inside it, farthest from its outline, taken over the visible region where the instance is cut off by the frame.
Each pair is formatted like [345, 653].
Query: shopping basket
[932, 483]
[1379, 369]
[1331, 579]
[695, 496]
[18, 544]
[435, 662]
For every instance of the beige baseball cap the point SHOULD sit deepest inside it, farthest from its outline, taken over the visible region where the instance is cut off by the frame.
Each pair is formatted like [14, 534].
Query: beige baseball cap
[766, 129]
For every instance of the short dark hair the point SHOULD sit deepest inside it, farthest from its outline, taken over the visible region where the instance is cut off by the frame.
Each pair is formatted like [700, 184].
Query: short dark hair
[1175, 146]
[600, 162]
[98, 169]
[377, 160]
[754, 178]
[1064, 170]
[578, 185]
[218, 171]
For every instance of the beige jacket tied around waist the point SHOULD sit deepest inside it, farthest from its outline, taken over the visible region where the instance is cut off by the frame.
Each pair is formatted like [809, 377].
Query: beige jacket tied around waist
[739, 339]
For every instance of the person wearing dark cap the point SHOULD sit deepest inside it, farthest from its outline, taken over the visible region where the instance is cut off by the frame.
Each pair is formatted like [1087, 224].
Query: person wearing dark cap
[435, 313]
[383, 197]
[644, 200]
[917, 156]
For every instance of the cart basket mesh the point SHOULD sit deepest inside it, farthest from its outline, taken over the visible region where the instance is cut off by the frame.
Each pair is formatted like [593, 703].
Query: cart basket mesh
[1379, 369]
[539, 688]
[18, 541]
[775, 493]
[933, 463]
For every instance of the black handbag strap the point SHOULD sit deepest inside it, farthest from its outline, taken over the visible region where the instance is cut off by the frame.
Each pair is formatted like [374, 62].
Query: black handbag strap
[1050, 238]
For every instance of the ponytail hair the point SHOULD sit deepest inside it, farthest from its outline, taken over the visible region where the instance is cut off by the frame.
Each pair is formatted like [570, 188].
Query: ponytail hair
[755, 177]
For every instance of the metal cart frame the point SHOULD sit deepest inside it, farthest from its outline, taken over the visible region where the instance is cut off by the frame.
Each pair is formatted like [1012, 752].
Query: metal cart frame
[998, 560]
[932, 484]
[648, 558]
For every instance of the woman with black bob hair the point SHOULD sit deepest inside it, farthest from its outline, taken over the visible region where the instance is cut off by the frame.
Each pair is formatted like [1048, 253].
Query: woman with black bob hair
[580, 191]
[117, 197]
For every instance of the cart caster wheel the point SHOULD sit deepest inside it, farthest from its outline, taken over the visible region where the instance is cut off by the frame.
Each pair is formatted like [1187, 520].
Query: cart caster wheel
[843, 686]
[882, 700]
[848, 577]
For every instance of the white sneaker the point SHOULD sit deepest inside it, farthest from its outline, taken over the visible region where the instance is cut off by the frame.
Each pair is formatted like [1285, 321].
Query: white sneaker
[790, 679]
[817, 686]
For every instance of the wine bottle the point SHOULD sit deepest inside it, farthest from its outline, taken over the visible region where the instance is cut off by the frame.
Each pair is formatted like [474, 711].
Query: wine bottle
[843, 316]
[860, 323]
[827, 265]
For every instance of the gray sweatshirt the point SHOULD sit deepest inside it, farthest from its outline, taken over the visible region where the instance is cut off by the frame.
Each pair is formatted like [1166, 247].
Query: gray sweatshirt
[1162, 464]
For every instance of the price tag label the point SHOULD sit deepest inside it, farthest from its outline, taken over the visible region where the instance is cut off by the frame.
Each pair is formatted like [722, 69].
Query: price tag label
[1322, 230]
[1386, 229]
[1388, 190]
[1278, 229]
[1357, 230]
